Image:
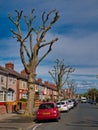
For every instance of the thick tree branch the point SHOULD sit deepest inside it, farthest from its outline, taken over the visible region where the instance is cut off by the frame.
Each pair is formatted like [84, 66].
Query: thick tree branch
[45, 19]
[46, 29]
[18, 36]
[70, 70]
[46, 44]
[30, 28]
[19, 14]
[28, 34]
[49, 49]
[53, 77]
[45, 54]
[22, 56]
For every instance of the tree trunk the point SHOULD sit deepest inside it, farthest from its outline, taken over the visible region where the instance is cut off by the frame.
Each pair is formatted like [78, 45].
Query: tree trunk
[58, 95]
[31, 94]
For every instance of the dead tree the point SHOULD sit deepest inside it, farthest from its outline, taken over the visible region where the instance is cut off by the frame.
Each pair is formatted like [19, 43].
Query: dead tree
[60, 75]
[30, 52]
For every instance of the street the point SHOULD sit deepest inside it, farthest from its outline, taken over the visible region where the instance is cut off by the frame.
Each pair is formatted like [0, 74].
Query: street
[82, 117]
[16, 122]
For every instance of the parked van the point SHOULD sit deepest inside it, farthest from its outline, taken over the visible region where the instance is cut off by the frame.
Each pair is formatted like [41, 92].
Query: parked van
[83, 100]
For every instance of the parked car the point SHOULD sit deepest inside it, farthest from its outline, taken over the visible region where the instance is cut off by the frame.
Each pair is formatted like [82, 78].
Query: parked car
[83, 100]
[63, 106]
[70, 104]
[48, 111]
[75, 102]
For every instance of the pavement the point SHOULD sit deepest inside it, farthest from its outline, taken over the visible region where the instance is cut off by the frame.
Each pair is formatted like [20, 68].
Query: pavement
[14, 121]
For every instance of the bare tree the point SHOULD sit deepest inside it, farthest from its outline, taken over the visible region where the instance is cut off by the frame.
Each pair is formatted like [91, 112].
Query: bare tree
[72, 87]
[60, 74]
[30, 53]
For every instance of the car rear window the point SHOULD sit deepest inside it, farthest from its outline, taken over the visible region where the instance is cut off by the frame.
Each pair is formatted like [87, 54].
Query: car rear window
[60, 103]
[46, 106]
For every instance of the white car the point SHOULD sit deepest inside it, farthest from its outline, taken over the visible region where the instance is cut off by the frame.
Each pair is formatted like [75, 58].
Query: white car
[70, 104]
[63, 106]
[83, 100]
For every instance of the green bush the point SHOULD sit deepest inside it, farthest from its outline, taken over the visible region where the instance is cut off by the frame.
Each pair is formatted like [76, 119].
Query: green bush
[23, 99]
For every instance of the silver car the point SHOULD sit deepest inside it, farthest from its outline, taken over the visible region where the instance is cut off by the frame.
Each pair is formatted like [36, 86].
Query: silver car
[70, 104]
[63, 106]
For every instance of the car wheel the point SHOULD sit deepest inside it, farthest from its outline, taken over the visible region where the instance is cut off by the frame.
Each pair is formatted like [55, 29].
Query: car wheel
[37, 121]
[57, 120]
[59, 117]
[68, 110]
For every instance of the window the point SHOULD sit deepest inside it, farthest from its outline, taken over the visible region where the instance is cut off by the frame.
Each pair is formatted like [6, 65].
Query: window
[2, 79]
[2, 96]
[23, 85]
[10, 80]
[14, 81]
[10, 96]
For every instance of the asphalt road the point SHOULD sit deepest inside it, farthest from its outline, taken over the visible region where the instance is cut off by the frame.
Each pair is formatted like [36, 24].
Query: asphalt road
[16, 122]
[83, 117]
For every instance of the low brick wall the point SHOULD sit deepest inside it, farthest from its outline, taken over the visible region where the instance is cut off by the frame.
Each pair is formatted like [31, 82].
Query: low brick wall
[2, 109]
[8, 107]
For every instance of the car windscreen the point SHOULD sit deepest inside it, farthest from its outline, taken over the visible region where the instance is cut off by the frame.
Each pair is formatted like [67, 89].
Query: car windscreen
[60, 103]
[46, 106]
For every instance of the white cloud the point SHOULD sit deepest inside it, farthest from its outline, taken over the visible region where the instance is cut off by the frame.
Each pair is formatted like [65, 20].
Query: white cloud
[76, 51]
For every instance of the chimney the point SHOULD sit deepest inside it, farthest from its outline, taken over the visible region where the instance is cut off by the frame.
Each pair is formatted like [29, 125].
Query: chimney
[46, 82]
[39, 80]
[23, 72]
[9, 65]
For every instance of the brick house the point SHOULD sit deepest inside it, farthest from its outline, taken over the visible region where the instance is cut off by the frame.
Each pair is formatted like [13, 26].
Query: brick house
[46, 90]
[13, 87]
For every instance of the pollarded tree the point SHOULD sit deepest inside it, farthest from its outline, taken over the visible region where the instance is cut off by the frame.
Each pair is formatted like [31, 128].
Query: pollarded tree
[72, 87]
[60, 74]
[29, 52]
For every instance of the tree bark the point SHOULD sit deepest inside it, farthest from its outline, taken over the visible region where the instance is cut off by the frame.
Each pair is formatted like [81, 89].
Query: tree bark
[31, 94]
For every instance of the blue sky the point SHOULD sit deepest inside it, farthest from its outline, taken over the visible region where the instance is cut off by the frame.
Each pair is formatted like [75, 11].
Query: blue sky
[77, 30]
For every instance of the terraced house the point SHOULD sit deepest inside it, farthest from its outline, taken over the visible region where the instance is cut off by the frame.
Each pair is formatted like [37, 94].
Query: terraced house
[13, 88]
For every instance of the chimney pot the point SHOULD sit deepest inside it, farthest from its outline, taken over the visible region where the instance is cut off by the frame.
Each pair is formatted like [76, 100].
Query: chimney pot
[9, 65]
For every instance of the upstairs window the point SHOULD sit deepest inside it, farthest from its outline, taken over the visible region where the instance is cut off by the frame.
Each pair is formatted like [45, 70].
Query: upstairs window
[2, 79]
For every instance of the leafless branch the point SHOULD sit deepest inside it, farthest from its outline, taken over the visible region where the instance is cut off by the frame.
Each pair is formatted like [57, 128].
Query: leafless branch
[49, 49]
[45, 19]
[53, 77]
[23, 57]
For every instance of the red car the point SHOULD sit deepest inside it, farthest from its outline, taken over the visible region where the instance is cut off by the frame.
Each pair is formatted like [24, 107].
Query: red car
[47, 111]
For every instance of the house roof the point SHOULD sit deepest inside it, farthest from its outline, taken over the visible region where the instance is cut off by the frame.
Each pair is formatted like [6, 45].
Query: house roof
[12, 72]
